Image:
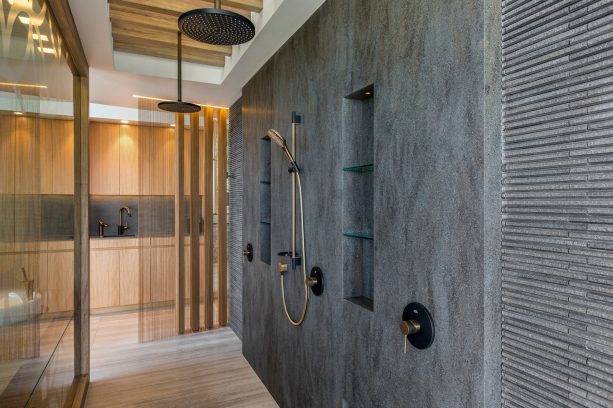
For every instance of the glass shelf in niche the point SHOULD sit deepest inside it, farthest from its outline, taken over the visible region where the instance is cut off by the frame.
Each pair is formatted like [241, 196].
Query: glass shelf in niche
[359, 234]
[264, 182]
[266, 222]
[363, 168]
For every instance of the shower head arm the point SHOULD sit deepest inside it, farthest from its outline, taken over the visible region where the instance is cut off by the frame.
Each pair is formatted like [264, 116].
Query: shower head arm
[217, 4]
[179, 67]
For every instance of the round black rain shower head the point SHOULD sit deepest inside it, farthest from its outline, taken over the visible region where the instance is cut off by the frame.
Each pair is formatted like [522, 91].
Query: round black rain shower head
[216, 26]
[178, 107]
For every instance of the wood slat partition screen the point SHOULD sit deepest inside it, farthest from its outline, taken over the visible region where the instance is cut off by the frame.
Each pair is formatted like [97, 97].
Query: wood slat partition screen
[222, 217]
[195, 215]
[207, 205]
[179, 222]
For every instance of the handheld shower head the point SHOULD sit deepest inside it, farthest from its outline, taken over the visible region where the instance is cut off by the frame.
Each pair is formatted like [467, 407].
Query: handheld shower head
[276, 137]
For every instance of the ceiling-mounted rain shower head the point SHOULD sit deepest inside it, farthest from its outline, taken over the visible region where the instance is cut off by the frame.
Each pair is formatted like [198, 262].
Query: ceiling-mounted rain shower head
[216, 26]
[279, 140]
[179, 106]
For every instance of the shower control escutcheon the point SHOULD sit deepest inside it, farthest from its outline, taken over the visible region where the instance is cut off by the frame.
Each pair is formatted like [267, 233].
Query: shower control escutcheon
[248, 252]
[315, 281]
[417, 326]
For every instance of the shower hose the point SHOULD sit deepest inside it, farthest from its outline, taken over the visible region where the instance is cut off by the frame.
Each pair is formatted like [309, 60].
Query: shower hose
[299, 321]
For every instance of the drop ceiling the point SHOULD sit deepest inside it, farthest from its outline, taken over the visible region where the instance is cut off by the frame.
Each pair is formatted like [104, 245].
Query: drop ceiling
[149, 27]
[131, 48]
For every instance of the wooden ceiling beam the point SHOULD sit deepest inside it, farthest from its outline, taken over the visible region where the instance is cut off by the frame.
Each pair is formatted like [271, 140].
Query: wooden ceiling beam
[148, 34]
[178, 7]
[160, 22]
[156, 50]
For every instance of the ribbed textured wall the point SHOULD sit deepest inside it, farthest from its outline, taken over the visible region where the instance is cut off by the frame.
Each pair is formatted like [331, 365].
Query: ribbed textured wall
[557, 248]
[235, 251]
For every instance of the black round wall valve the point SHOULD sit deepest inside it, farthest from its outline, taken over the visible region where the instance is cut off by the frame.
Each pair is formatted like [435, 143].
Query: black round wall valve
[417, 326]
[248, 252]
[316, 281]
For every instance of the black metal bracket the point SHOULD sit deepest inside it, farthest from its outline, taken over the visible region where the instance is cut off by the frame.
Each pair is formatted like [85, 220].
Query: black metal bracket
[425, 336]
[296, 118]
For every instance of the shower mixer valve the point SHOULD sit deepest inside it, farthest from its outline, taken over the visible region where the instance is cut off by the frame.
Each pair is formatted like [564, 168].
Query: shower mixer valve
[417, 326]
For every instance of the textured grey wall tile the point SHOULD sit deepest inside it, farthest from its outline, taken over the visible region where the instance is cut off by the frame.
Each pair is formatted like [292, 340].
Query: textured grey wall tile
[437, 183]
[556, 295]
[235, 241]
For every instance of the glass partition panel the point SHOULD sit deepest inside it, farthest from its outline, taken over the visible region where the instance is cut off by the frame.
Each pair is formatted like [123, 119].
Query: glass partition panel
[37, 205]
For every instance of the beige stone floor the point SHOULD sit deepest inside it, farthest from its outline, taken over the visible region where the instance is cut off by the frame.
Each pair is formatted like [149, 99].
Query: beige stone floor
[196, 370]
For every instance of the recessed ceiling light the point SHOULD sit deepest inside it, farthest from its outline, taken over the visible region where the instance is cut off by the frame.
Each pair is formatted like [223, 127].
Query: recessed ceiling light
[23, 85]
[42, 37]
[18, 113]
[125, 122]
[46, 50]
[368, 93]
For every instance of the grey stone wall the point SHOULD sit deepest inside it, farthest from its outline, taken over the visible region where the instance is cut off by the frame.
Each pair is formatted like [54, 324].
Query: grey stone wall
[557, 247]
[235, 249]
[433, 148]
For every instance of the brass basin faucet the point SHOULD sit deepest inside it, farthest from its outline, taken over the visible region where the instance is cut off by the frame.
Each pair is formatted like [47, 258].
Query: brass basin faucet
[121, 228]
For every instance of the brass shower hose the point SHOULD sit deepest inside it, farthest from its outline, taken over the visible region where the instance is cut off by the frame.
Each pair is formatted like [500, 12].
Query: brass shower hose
[299, 321]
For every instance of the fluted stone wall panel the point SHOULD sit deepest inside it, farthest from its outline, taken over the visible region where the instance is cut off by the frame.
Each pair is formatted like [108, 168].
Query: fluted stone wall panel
[557, 228]
[235, 243]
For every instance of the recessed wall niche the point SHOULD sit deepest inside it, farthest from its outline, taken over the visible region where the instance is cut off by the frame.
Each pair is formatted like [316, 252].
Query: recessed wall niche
[264, 225]
[358, 169]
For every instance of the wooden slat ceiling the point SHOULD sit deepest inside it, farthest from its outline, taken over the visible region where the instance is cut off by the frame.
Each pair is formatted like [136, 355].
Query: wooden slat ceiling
[149, 27]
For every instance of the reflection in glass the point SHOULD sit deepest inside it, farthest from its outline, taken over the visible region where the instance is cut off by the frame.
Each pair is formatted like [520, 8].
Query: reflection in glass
[36, 193]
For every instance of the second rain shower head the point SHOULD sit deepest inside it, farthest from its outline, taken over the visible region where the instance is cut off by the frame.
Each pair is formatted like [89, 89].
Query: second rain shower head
[276, 137]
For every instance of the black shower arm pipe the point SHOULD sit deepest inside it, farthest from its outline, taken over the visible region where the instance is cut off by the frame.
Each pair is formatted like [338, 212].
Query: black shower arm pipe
[179, 66]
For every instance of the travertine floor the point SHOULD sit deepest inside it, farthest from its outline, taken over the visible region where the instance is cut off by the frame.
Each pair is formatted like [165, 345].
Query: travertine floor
[196, 370]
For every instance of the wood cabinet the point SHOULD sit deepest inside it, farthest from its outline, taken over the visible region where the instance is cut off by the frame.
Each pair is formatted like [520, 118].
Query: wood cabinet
[104, 158]
[128, 160]
[116, 274]
[129, 281]
[36, 155]
[158, 144]
[114, 160]
[27, 156]
[63, 157]
[46, 155]
[163, 279]
[104, 278]
[7, 154]
[59, 277]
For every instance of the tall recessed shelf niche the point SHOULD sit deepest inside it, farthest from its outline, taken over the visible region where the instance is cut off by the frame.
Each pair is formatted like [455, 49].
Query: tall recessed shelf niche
[358, 170]
[264, 225]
